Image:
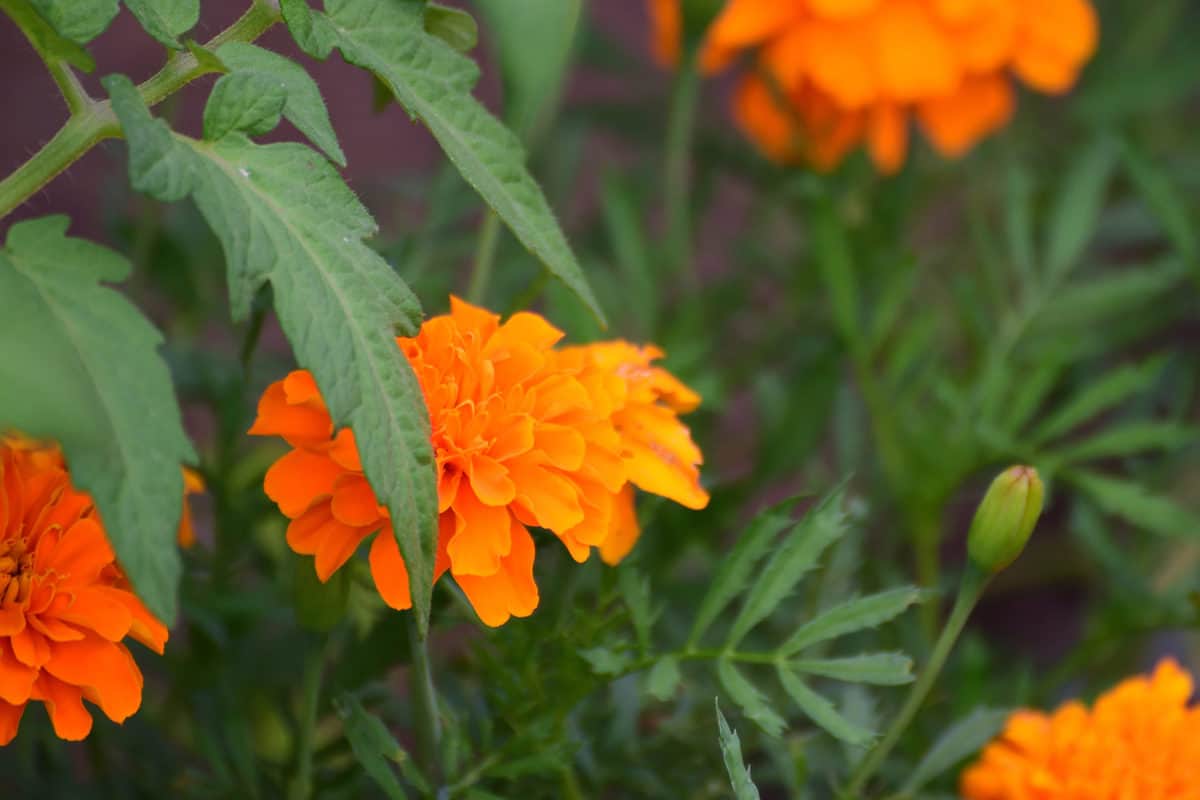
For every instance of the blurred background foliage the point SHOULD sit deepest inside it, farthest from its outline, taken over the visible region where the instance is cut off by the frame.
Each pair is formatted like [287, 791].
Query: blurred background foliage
[1035, 302]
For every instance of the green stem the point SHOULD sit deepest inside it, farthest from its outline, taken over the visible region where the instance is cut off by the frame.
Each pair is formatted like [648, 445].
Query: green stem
[68, 83]
[425, 711]
[485, 257]
[301, 787]
[95, 121]
[681, 123]
[973, 583]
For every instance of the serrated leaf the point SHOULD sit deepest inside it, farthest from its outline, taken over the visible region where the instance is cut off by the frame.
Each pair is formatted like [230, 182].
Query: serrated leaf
[735, 571]
[663, 678]
[752, 702]
[1136, 505]
[304, 107]
[1102, 394]
[434, 83]
[373, 745]
[1160, 193]
[1076, 212]
[817, 708]
[1127, 440]
[313, 32]
[881, 669]
[801, 549]
[81, 366]
[731, 754]
[165, 20]
[48, 42]
[284, 216]
[78, 21]
[605, 661]
[852, 616]
[243, 101]
[533, 39]
[963, 739]
[453, 26]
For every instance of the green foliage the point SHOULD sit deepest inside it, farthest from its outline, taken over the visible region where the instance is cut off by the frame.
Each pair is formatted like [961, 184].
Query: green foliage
[961, 740]
[434, 84]
[81, 22]
[285, 217]
[82, 367]
[373, 746]
[731, 752]
[49, 42]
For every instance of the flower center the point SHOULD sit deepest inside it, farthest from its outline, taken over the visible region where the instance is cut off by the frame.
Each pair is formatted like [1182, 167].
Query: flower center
[16, 571]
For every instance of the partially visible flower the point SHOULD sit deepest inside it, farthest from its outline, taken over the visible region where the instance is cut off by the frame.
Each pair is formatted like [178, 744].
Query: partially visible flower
[524, 436]
[1140, 740]
[65, 605]
[831, 75]
[192, 484]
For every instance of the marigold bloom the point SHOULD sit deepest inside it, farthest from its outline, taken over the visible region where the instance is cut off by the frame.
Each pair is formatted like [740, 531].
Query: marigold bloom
[524, 436]
[830, 75]
[1140, 740]
[65, 605]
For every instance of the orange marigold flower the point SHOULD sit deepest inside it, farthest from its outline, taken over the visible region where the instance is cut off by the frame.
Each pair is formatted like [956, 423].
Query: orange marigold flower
[524, 436]
[831, 75]
[65, 605]
[1140, 740]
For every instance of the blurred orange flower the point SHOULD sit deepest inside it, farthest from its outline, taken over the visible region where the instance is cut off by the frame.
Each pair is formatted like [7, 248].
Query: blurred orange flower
[65, 606]
[830, 75]
[524, 436]
[1140, 740]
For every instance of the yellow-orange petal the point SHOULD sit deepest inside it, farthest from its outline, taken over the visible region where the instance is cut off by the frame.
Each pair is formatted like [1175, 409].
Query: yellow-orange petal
[511, 591]
[955, 122]
[490, 480]
[481, 535]
[624, 532]
[887, 137]
[299, 478]
[914, 58]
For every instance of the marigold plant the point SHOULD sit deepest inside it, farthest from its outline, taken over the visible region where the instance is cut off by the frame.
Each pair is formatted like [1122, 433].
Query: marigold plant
[65, 606]
[524, 435]
[1140, 739]
[830, 75]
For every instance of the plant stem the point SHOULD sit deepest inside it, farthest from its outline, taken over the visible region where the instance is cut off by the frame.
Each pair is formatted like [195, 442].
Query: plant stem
[681, 121]
[485, 257]
[425, 711]
[973, 583]
[28, 21]
[301, 787]
[95, 120]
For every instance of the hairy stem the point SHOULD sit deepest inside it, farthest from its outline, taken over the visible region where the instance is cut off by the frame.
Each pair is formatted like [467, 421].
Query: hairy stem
[973, 583]
[425, 710]
[95, 121]
[485, 257]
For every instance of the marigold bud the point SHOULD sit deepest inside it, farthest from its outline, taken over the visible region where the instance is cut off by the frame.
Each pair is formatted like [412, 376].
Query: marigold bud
[1005, 518]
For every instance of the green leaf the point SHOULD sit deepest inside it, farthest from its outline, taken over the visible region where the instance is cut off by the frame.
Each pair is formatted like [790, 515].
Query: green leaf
[533, 40]
[1076, 213]
[78, 21]
[963, 739]
[736, 570]
[1084, 304]
[664, 677]
[243, 101]
[882, 669]
[635, 591]
[284, 216]
[1136, 505]
[81, 366]
[832, 250]
[1104, 393]
[1164, 199]
[731, 753]
[48, 42]
[373, 745]
[817, 708]
[165, 20]
[434, 84]
[852, 616]
[605, 661]
[801, 549]
[303, 107]
[319, 606]
[749, 699]
[1018, 217]
[453, 26]
[1126, 440]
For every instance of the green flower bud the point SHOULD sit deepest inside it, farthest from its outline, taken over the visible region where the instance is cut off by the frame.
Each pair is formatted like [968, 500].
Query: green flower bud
[1005, 518]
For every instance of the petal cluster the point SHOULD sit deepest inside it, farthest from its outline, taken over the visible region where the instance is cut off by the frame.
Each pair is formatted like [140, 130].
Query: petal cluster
[525, 435]
[65, 606]
[829, 76]
[1140, 740]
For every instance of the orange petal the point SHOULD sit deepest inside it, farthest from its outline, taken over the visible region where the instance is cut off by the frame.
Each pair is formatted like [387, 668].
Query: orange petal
[914, 57]
[298, 424]
[298, 478]
[481, 535]
[105, 669]
[548, 496]
[30, 648]
[336, 547]
[509, 592]
[955, 122]
[389, 572]
[887, 137]
[354, 502]
[95, 609]
[12, 620]
[16, 679]
[563, 445]
[624, 530]
[490, 481]
[82, 553]
[667, 477]
[64, 704]
[473, 317]
[10, 721]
